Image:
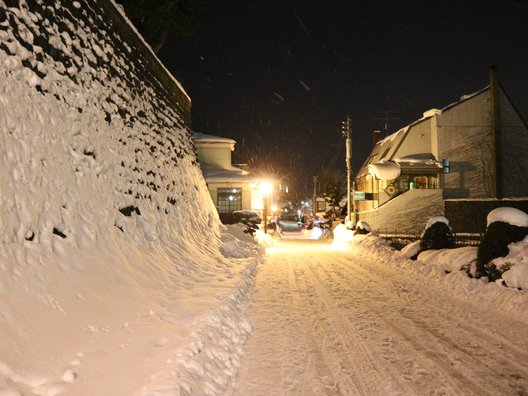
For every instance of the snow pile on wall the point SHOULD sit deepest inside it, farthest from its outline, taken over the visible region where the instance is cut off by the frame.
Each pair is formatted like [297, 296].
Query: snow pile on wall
[110, 260]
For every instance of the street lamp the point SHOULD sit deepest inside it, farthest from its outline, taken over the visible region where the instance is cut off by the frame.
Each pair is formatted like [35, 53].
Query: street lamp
[265, 189]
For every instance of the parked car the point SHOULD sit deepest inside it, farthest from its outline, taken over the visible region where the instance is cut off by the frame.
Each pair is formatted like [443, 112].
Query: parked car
[290, 223]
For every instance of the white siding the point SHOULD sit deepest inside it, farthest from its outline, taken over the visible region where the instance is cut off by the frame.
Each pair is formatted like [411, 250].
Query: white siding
[515, 151]
[465, 138]
[417, 140]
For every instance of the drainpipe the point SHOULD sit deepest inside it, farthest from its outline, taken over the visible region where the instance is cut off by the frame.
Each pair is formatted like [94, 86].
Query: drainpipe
[497, 132]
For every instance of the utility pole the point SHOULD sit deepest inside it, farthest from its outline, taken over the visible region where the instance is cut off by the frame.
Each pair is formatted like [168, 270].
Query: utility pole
[346, 129]
[314, 197]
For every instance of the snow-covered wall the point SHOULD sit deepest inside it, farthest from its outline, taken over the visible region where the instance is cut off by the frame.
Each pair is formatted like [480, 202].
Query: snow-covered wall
[408, 212]
[106, 224]
[84, 115]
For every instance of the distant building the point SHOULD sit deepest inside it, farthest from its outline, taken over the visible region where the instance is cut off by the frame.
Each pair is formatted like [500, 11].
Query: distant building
[231, 187]
[475, 149]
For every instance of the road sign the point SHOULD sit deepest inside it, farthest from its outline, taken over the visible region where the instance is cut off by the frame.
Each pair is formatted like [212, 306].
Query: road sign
[359, 196]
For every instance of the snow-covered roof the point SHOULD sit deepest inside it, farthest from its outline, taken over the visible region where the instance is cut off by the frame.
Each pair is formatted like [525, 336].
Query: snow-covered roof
[386, 148]
[463, 98]
[392, 136]
[431, 113]
[410, 163]
[385, 170]
[233, 174]
[202, 137]
[390, 170]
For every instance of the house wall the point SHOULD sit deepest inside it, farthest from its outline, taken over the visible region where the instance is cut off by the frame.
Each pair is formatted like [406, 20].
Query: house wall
[215, 154]
[514, 150]
[407, 212]
[417, 141]
[465, 138]
[365, 184]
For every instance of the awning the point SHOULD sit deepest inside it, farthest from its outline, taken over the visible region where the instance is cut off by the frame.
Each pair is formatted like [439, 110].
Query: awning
[390, 170]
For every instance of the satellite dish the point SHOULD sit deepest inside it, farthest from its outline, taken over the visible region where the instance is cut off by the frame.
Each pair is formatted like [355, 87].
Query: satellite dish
[390, 190]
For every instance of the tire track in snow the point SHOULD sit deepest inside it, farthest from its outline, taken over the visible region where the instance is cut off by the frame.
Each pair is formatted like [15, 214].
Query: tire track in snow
[339, 323]
[346, 381]
[416, 363]
[477, 351]
[465, 314]
[354, 350]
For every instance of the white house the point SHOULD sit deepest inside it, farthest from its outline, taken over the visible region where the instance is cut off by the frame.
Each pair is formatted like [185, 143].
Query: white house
[231, 188]
[474, 149]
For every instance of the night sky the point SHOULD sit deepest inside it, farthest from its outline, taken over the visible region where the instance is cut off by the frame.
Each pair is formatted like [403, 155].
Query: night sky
[280, 76]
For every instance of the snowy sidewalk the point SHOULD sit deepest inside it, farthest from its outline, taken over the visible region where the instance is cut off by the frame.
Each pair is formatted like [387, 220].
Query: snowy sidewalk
[331, 322]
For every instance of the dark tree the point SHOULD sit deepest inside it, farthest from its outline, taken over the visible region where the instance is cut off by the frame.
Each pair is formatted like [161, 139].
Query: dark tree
[155, 20]
[330, 180]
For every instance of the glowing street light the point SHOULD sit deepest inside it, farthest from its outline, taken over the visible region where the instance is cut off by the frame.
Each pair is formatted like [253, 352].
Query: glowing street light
[265, 188]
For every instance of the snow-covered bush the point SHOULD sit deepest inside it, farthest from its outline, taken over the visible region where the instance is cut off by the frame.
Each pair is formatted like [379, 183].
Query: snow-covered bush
[249, 218]
[437, 235]
[504, 226]
[517, 261]
[362, 228]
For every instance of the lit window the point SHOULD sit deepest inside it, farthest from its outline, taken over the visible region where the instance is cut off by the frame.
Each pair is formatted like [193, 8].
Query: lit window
[229, 200]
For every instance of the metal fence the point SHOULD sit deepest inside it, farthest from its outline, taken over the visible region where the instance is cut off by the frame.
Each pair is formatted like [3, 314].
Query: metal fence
[400, 239]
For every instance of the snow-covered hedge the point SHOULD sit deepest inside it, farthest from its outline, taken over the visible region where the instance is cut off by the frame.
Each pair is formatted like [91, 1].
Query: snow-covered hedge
[505, 226]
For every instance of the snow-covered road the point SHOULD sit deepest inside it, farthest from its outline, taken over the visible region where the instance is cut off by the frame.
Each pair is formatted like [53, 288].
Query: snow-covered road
[328, 321]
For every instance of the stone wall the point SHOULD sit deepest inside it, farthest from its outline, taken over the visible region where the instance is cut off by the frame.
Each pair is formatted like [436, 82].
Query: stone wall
[85, 102]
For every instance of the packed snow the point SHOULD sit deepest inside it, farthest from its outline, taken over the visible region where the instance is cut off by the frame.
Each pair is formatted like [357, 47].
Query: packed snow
[508, 215]
[357, 318]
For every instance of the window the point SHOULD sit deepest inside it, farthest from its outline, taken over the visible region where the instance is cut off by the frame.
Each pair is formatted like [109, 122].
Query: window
[229, 200]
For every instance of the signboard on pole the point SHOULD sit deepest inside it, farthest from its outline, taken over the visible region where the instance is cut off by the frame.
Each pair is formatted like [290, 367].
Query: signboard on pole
[359, 196]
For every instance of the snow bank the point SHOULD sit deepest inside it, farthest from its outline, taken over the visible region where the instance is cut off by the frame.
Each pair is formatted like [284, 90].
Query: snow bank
[517, 260]
[477, 291]
[115, 272]
[450, 259]
[411, 249]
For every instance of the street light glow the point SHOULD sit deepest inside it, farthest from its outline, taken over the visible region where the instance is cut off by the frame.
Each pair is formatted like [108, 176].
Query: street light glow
[265, 188]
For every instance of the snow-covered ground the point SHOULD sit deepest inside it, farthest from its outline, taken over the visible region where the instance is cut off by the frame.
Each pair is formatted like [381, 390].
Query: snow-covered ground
[360, 319]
